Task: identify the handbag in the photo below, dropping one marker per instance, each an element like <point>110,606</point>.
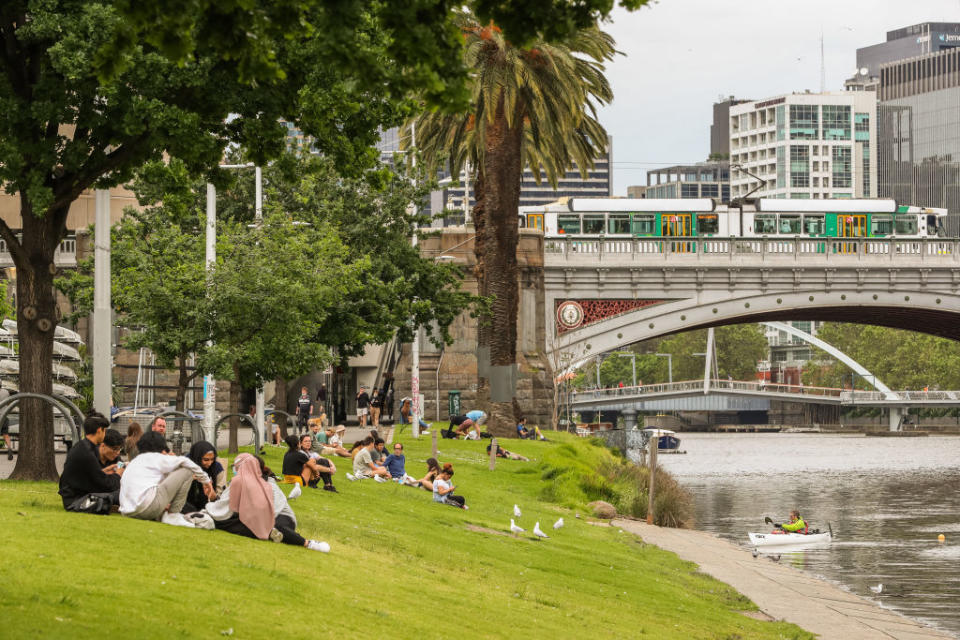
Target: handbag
<point>96,503</point>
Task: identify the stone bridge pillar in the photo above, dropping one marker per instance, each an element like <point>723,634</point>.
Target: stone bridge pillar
<point>629,419</point>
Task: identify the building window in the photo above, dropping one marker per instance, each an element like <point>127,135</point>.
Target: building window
<point>861,126</point>
<point>799,165</point>
<point>781,122</point>
<point>800,196</point>
<point>689,191</point>
<point>836,122</point>
<point>842,169</point>
<point>709,190</point>
<point>725,193</point>
<point>803,121</point>
<point>781,166</point>
<point>865,179</point>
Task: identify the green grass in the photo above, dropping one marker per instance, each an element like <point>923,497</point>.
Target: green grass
<point>400,566</point>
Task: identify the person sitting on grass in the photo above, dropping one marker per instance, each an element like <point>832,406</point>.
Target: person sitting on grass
<point>335,442</point>
<point>325,466</point>
<point>503,453</point>
<point>82,472</point>
<point>378,454</point>
<point>110,449</point>
<point>406,410</point>
<point>443,489</point>
<point>300,468</point>
<point>205,455</point>
<point>134,431</point>
<point>155,485</point>
<point>525,434</point>
<point>254,506</point>
<point>363,466</point>
<point>433,470</point>
<point>396,465</point>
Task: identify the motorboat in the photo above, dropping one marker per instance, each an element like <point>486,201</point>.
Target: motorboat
<point>789,539</point>
<point>667,440</point>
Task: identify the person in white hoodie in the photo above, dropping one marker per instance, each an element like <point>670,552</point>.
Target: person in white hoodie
<point>155,484</point>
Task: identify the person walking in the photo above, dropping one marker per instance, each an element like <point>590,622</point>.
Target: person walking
<point>304,409</point>
<point>376,404</point>
<point>363,405</point>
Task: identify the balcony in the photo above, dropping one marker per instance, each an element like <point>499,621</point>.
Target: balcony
<point>65,256</point>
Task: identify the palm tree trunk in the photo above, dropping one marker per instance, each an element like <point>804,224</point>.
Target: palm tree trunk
<point>502,174</point>
<point>483,322</point>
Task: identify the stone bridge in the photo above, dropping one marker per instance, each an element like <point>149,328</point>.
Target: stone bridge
<point>601,295</point>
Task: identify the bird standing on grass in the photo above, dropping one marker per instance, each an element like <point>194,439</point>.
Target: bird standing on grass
<point>558,523</point>
<point>295,492</point>
<point>514,528</point>
<point>537,532</point>
<point>516,511</point>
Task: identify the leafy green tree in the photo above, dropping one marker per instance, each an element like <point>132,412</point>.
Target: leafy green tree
<point>531,105</point>
<point>739,348</point>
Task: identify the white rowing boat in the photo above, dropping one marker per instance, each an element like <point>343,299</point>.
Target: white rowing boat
<point>781,539</point>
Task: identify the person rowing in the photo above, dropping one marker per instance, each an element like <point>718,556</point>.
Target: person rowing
<point>796,524</point>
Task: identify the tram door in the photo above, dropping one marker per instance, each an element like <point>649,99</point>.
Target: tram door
<point>674,225</point>
<point>851,226</point>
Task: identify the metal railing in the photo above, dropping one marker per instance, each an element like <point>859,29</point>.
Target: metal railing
<point>943,249</point>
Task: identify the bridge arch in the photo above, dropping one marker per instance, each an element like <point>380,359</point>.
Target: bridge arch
<point>932,312</point>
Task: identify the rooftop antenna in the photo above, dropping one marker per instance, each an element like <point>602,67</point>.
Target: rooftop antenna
<point>823,66</point>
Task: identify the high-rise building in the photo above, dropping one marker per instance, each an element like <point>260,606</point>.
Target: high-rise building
<point>720,129</point>
<point>919,132</point>
<point>908,42</point>
<point>700,180</point>
<point>805,145</point>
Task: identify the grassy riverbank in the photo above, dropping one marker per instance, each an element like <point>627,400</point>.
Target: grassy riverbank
<point>400,565</point>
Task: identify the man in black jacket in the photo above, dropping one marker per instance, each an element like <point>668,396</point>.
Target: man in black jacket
<point>82,473</point>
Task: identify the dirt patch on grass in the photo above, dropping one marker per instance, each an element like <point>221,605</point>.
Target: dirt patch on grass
<point>478,529</point>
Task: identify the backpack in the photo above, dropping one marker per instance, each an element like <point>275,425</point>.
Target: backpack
<point>96,503</point>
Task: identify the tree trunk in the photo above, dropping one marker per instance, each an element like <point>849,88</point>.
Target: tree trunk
<point>502,174</point>
<point>482,400</point>
<point>36,320</point>
<point>182,381</point>
<point>235,392</point>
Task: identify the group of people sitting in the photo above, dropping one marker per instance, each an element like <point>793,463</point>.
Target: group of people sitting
<point>187,491</point>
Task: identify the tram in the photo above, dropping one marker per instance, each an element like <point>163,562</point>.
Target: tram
<point>626,218</point>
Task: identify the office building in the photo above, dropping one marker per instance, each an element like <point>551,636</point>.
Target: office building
<point>720,128</point>
<point>908,42</point>
<point>637,191</point>
<point>700,180</point>
<point>805,145</point>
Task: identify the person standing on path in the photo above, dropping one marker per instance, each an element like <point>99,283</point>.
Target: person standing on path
<point>376,404</point>
<point>304,409</point>
<point>363,406</point>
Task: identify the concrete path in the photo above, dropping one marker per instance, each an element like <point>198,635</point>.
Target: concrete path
<point>783,592</point>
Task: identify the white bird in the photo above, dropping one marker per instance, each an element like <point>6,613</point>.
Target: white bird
<point>878,588</point>
<point>558,523</point>
<point>537,532</point>
<point>295,492</point>
<point>516,511</point>
<point>514,528</point>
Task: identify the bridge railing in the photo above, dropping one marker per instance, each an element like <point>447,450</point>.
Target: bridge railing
<point>944,249</point>
<point>687,386</point>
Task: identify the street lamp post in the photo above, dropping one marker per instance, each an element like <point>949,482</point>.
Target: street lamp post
<point>669,358</point>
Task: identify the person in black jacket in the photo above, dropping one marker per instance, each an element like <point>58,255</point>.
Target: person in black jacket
<point>82,473</point>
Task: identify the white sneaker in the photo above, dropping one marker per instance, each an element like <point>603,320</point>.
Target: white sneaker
<point>176,519</point>
<point>380,479</point>
<point>315,545</point>
<point>295,493</point>
<point>351,477</point>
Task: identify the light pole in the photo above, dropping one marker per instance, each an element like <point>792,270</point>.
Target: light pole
<point>102,312</point>
<point>669,358</point>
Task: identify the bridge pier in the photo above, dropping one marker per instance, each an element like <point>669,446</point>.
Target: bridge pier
<point>629,419</point>
<point>895,415</point>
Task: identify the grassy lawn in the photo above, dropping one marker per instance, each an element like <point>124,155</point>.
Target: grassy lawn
<point>400,566</point>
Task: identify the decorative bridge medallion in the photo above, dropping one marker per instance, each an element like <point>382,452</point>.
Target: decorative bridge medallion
<point>572,314</point>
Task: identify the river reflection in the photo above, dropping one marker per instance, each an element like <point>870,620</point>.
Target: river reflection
<point>887,500</point>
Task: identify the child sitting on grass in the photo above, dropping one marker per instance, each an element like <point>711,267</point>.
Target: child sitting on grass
<point>443,489</point>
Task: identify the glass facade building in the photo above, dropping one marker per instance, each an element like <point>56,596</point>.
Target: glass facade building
<point>701,180</point>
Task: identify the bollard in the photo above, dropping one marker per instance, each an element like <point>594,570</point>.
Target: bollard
<point>654,444</point>
<point>493,453</point>
<point>433,435</point>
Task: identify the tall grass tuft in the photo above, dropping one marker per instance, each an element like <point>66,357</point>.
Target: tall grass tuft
<point>581,471</point>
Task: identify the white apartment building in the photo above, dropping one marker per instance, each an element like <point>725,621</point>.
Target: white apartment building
<point>805,145</point>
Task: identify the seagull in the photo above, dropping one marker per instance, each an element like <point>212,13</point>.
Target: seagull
<point>537,532</point>
<point>514,528</point>
<point>558,523</point>
<point>295,492</point>
<point>878,588</point>
<point>516,511</point>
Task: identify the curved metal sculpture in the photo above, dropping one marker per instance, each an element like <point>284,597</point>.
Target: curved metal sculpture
<point>7,404</point>
<point>253,425</point>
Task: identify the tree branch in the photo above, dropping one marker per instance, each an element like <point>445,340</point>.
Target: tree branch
<point>14,64</point>
<point>73,186</point>
<point>13,244</point>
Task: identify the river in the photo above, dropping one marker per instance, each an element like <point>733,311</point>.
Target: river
<point>887,500</point>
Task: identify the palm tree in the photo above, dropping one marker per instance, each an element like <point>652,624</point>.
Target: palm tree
<point>532,106</point>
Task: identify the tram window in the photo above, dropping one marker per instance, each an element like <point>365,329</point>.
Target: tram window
<point>881,225</point>
<point>618,223</point>
<point>906,225</point>
<point>765,224</point>
<point>813,225</point>
<point>790,224</point>
<point>568,224</point>
<point>644,224</point>
<point>709,223</point>
<point>593,224</point>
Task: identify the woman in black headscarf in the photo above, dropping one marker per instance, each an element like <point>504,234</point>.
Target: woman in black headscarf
<point>205,455</point>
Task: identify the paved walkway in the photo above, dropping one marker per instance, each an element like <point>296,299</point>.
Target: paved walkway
<point>783,592</point>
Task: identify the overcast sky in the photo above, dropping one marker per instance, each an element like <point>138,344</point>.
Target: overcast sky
<point>681,55</point>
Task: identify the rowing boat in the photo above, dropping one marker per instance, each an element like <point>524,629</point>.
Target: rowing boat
<point>781,539</point>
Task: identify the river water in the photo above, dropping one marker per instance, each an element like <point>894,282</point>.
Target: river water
<point>887,500</point>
